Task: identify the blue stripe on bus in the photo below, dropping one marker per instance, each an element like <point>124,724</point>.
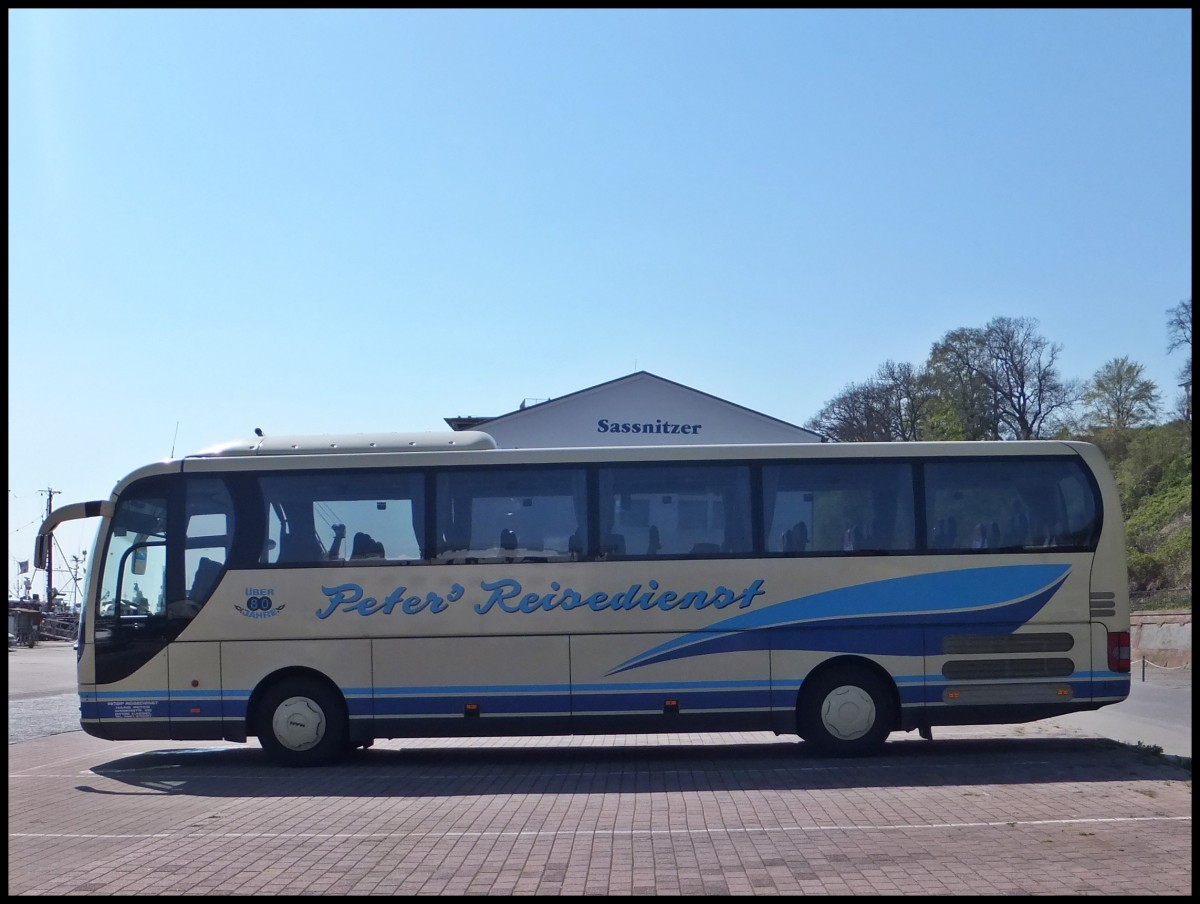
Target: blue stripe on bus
<point>689,701</point>
<point>671,685</point>
<point>973,600</point>
<point>145,708</point>
<point>598,699</point>
<point>235,700</point>
<point>476,689</point>
<point>504,704</point>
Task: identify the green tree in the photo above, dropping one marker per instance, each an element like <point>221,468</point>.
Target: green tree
<point>966,407</point>
<point>1118,397</point>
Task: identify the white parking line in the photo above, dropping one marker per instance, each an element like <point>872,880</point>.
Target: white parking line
<point>616,833</point>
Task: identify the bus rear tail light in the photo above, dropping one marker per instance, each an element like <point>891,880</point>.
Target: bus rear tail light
<point>1118,651</point>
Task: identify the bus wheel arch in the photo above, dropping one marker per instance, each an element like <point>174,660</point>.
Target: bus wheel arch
<point>847,706</point>
<point>300,717</point>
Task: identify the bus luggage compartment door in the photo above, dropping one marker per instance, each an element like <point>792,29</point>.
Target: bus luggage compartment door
<point>194,672</point>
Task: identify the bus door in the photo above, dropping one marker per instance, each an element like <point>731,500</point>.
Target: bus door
<point>130,632</point>
<point>205,535</point>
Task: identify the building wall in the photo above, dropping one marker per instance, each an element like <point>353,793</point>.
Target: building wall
<point>639,410</point>
<point>1164,639</point>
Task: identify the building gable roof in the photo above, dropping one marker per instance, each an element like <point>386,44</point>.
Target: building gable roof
<point>640,400</point>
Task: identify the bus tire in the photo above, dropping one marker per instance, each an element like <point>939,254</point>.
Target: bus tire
<point>302,722</point>
<point>846,711</point>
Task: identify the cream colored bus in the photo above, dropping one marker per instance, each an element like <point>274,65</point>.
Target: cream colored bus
<point>323,592</point>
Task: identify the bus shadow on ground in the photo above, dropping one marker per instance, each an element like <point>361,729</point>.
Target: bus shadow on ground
<point>448,770</point>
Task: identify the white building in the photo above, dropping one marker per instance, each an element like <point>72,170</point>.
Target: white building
<point>640,409</point>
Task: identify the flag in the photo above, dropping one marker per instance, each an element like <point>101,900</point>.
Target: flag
<point>24,567</point>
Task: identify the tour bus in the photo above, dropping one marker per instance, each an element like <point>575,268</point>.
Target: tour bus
<point>322,592</point>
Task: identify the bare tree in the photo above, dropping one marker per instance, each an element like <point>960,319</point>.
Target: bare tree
<point>910,397</point>
<point>855,415</point>
<point>892,406</point>
<point>1017,368</point>
<point>1179,326</point>
<point>1179,335</point>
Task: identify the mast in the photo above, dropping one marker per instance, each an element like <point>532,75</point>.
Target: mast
<point>50,493</point>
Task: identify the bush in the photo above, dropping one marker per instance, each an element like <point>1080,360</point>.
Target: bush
<point>1155,457</point>
<point>1160,515</point>
<point>1153,470</point>
<point>1177,557</point>
<point>1146,570</point>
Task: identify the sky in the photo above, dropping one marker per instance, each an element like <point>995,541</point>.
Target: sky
<point>327,221</point>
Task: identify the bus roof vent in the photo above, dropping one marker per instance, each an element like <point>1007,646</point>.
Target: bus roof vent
<point>355,443</point>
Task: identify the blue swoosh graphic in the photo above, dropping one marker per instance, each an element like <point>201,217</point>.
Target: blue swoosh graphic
<point>904,614</point>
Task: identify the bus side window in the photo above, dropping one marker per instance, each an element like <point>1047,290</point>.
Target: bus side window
<point>366,547</point>
<point>209,535</point>
<point>207,572</point>
<point>613,545</point>
<point>795,539</point>
<point>300,545</point>
<point>1017,532</point>
<point>653,543</point>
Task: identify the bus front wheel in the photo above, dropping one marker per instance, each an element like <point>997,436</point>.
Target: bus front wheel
<point>848,711</point>
<point>302,722</point>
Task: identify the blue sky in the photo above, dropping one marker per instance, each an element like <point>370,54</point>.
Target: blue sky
<point>365,221</point>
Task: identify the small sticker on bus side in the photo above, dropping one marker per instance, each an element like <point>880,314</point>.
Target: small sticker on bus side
<point>260,603</point>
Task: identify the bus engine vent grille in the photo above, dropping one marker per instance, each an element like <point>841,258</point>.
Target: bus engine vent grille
<point>968,669</point>
<point>965,644</point>
<point>1103,603</point>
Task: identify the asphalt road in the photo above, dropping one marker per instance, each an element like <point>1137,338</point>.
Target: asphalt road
<point>1157,713</point>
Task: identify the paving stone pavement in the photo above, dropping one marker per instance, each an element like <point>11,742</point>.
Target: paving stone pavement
<point>727,813</point>
<point>1040,808</point>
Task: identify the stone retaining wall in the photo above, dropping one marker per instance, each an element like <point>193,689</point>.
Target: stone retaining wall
<point>1163,638</point>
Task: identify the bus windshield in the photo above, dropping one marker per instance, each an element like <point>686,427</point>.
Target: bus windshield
<point>133,577</point>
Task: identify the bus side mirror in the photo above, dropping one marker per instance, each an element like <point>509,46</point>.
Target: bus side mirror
<point>39,551</point>
<point>139,560</point>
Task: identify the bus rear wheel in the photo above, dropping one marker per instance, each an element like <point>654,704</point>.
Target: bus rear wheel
<point>302,722</point>
<point>848,711</point>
